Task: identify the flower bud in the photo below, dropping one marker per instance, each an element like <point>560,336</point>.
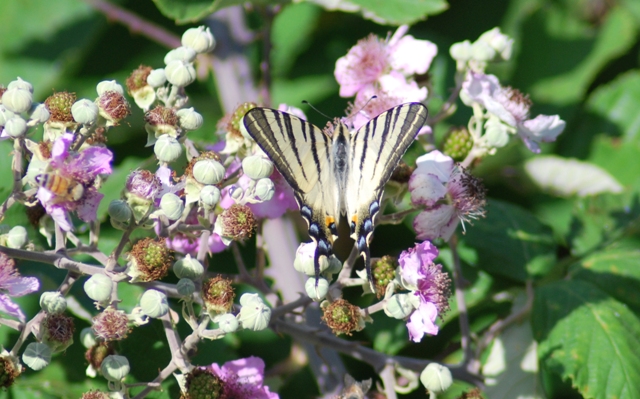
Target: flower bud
<point>304,260</point>
<point>5,115</point>
<point>172,206</point>
<point>182,53</point>
<point>316,293</point>
<point>227,322</point>
<point>481,51</point>
<point>236,193</point>
<point>114,368</point>
<point>109,85</point>
<point>254,314</point>
<point>87,337</point>
<point>119,211</point>
<point>17,100</point>
<point>180,73</point>
<point>98,287</point>
<point>37,355</point>
<point>257,167</point>
<point>15,127</point>
<point>39,113</point>
<point>208,171</point>
<point>461,51</point>
<point>436,378</point>
<point>200,39</point>
<point>189,119</point>
<point>84,111</point>
<point>20,84</point>
<point>209,197</point>
<point>185,287</point>
<point>154,303</point>
<point>400,306</point>
<point>156,78</point>
<point>167,148</point>
<point>53,302</point>
<point>264,189</point>
<point>496,133</point>
<point>17,237</point>
<point>188,267</point>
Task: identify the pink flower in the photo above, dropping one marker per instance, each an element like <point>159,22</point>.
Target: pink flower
<point>75,168</point>
<point>511,107</point>
<point>191,244</point>
<point>421,275</point>
<point>385,65</point>
<point>243,379</point>
<point>447,193</point>
<point>12,284</point>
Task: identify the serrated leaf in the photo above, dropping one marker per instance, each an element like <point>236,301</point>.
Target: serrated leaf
<point>588,337</point>
<point>511,242</point>
<point>616,272</point>
<point>566,177</point>
<point>618,102</point>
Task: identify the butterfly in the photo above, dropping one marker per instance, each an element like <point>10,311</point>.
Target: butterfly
<point>344,173</point>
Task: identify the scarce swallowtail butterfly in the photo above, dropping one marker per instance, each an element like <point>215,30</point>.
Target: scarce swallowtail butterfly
<point>342,174</point>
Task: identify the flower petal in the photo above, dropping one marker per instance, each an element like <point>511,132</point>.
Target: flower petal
<point>542,128</point>
<point>412,56</point>
<point>422,321</point>
<point>7,306</point>
<point>437,222</point>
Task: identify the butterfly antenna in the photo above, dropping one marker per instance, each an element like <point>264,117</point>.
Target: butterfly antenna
<point>363,107</point>
<point>315,109</point>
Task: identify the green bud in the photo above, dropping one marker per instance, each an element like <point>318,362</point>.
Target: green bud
<point>98,287</point>
<point>461,51</point>
<point>17,237</point>
<point>316,293</point>
<point>496,133</point>
<point>185,287</point>
<point>208,171</point>
<point>182,53</point>
<point>109,85</point>
<point>254,314</point>
<point>114,368</point>
<point>227,322</point>
<point>5,115</point>
<point>85,111</point>
<point>37,355</point>
<point>15,127</point>
<point>154,303</point>
<point>436,378</point>
<point>304,262</point>
<point>200,39</point>
<point>236,193</point>
<point>172,206</point>
<point>209,197</point>
<point>167,148</point>
<point>180,73</point>
<point>53,302</point>
<point>87,337</point>
<point>17,100</point>
<point>189,119</point>
<point>481,51</point>
<point>400,306</point>
<point>188,267</point>
<point>39,113</point>
<point>257,167</point>
<point>156,78</point>
<point>119,211</point>
<point>264,189</point>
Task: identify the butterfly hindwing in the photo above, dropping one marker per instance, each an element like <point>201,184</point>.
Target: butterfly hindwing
<point>302,154</point>
<point>377,148</point>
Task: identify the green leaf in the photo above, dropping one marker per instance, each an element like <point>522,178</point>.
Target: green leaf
<point>190,11</point>
<point>588,337</point>
<point>618,102</point>
<point>300,18</point>
<point>615,271</point>
<point>566,177</point>
<point>511,242</point>
<point>616,36</point>
<point>399,12</point>
<point>615,157</point>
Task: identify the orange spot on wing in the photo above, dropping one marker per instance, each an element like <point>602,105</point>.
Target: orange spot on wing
<point>329,220</point>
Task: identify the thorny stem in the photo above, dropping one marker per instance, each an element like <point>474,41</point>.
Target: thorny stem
<point>458,281</point>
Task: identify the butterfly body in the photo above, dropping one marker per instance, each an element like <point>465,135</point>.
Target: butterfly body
<point>341,174</point>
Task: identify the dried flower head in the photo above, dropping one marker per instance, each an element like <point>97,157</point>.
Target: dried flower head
<point>149,260</point>
<point>96,354</point>
<point>237,222</point>
<point>138,78</point>
<point>234,123</point>
<point>58,331</point>
<point>218,295</point>
<point>113,107</point>
<point>111,325</point>
<point>59,106</point>
<point>342,317</point>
